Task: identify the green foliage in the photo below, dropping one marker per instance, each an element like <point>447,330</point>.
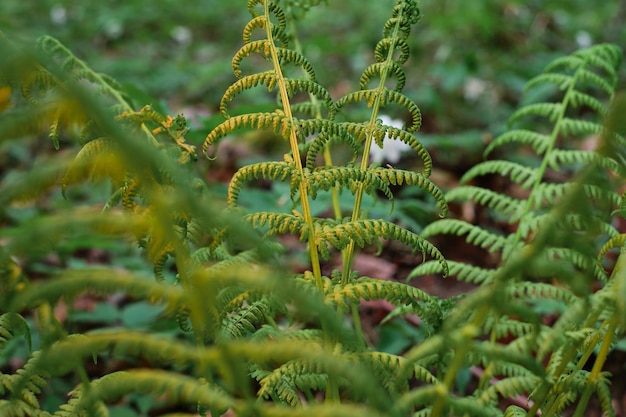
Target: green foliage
<point>249,336</point>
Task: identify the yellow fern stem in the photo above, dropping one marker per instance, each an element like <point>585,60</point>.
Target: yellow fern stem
<point>293,143</point>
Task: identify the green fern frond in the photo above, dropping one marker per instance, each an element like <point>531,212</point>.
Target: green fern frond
<point>268,78</point>
<point>97,157</point>
<point>476,235</point>
<point>539,142</point>
<point>509,387</point>
<point>12,324</point>
<point>394,68</point>
<point>538,290</point>
<point>364,232</point>
<point>518,173</point>
<point>277,170</point>
<point>321,141</point>
<point>177,388</point>
<point>400,177</point>
<point>385,98</point>
<point>501,203</point>
<point>277,122</point>
<point>244,320</point>
<point>559,157</point>
<point>396,293</point>
<point>77,281</point>
<point>615,242</point>
<point>279,223</point>
<point>551,111</point>
<point>285,55</point>
<point>460,270</point>
<point>326,178</point>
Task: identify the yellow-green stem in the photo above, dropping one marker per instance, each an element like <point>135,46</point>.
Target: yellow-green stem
<point>328,159</point>
<point>293,143</point>
<point>348,252</point>
<point>597,367</point>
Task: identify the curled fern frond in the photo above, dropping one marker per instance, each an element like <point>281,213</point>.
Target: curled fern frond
<point>279,223</point>
<point>279,171</point>
<point>321,141</point>
<point>400,177</point>
<point>387,97</point>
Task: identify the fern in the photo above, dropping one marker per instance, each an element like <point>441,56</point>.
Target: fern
<point>260,339</point>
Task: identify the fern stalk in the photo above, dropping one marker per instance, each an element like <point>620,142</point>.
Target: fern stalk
<point>293,143</point>
<point>348,253</point>
<point>328,159</point>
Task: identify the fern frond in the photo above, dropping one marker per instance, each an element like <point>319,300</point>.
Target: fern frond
<point>518,173</point>
<point>364,232</point>
<point>277,122</point>
<point>396,293</point>
<point>537,141</point>
<point>76,281</point>
<point>551,111</point>
<point>326,178</point>
<point>460,270</point>
<point>509,387</point>
<point>279,223</point>
<point>268,78</point>
<point>12,324</point>
<point>176,387</point>
<point>400,177</point>
<point>475,234</point>
<point>394,68</point>
<point>97,157</point>
<point>503,204</point>
<point>321,141</point>
<point>387,97</point>
<point>285,55</point>
<point>268,170</point>
<point>538,290</point>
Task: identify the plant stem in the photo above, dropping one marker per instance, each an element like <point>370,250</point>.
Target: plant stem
<point>348,253</point>
<point>293,142</point>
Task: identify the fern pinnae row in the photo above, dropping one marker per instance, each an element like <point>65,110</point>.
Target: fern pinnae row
<point>375,69</point>
<point>383,98</point>
<point>326,178</point>
<point>279,223</point>
<point>519,173</point>
<point>364,232</point>
<point>475,234</point>
<point>322,141</point>
<point>400,177</point>
<point>276,170</point>
<point>501,203</point>
<point>537,141</point>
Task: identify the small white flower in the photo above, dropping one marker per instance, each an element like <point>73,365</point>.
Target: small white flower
<point>474,88</point>
<point>392,148</point>
<point>182,35</point>
<point>58,14</point>
<point>583,39</point>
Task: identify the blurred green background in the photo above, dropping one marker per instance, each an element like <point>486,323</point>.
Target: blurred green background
<point>469,60</point>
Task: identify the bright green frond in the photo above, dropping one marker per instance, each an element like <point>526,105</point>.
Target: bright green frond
<point>518,173</point>
<point>538,141</point>
<point>475,234</point>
